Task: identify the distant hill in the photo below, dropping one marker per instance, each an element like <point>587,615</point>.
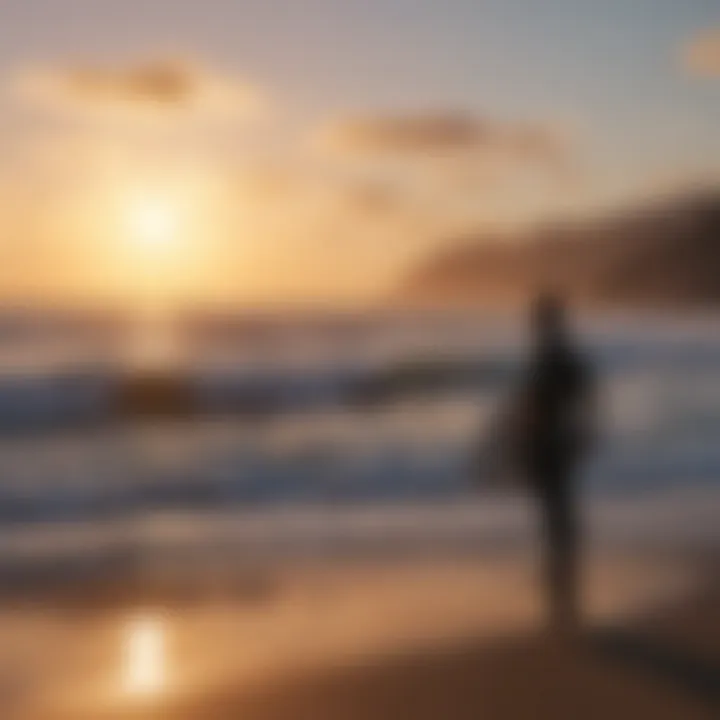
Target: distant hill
<point>662,254</point>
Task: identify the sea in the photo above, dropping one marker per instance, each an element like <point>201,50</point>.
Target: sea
<point>334,435</point>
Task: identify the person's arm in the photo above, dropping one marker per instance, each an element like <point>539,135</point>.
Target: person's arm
<point>497,459</point>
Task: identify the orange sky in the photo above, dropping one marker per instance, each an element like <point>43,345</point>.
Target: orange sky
<point>233,173</point>
<point>275,213</point>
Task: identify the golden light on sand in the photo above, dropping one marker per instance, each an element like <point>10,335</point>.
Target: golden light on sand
<point>144,657</point>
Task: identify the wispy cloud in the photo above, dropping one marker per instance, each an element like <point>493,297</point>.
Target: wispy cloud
<point>439,134</point>
<point>451,166</point>
<point>159,86</point>
<point>701,55</point>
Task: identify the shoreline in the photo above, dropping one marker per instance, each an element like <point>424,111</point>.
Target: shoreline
<point>315,622</point>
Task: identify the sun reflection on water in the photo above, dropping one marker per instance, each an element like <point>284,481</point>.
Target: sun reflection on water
<point>144,656</point>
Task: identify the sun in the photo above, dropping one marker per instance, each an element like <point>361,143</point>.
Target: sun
<point>158,239</point>
<point>153,223</point>
<point>156,245</point>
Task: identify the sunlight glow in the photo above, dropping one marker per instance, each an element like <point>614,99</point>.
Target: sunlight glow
<point>144,661</point>
<point>153,244</point>
<point>153,223</point>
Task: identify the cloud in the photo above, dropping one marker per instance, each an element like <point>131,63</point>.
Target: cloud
<point>455,163</point>
<point>439,134</point>
<point>163,86</point>
<point>701,55</point>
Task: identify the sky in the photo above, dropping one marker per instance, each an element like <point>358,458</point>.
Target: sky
<point>238,150</point>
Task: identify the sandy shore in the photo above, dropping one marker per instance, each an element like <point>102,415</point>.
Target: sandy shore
<point>669,669</point>
<point>434,639</point>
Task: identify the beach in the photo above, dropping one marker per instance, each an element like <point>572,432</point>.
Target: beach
<point>333,560</point>
<point>436,638</point>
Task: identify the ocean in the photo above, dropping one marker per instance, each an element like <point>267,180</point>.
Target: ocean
<point>310,440</point>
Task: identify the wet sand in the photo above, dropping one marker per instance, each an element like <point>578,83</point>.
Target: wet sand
<point>425,640</point>
<point>665,669</point>
<point>615,675</point>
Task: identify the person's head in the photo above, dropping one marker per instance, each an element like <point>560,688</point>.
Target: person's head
<point>548,319</point>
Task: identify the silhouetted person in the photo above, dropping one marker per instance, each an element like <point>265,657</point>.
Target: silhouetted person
<point>554,420</point>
